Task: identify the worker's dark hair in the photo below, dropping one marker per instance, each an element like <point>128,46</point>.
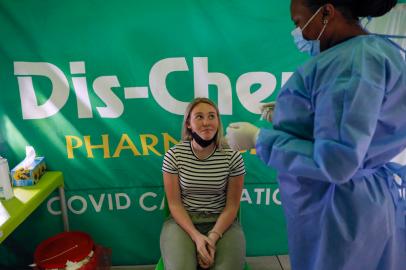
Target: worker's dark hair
<point>353,9</point>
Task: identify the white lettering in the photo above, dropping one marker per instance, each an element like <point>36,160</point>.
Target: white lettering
<point>252,101</point>
<point>245,196</point>
<point>81,91</point>
<point>81,200</point>
<point>259,194</point>
<point>268,196</point>
<point>29,102</point>
<point>110,200</point>
<point>49,206</point>
<point>127,200</point>
<point>79,204</point>
<point>97,206</point>
<point>285,77</point>
<point>274,197</point>
<point>203,78</point>
<point>114,106</point>
<point>157,83</point>
<point>142,198</point>
<point>162,204</point>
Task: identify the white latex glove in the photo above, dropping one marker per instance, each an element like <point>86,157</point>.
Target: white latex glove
<point>267,111</point>
<point>241,135</point>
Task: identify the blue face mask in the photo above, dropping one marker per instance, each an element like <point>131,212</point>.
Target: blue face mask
<point>312,47</point>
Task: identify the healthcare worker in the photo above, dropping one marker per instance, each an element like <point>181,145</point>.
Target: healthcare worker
<point>337,123</point>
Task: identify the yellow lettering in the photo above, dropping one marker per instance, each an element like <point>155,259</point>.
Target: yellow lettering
<point>121,146</point>
<point>104,146</point>
<point>70,146</point>
<point>168,139</point>
<point>146,146</point>
<point>148,143</point>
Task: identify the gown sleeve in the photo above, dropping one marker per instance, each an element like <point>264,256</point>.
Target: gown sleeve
<point>346,101</point>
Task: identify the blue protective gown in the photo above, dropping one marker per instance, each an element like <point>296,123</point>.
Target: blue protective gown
<point>338,122</point>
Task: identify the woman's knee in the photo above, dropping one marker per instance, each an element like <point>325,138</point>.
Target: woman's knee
<point>177,248</point>
<point>230,249</point>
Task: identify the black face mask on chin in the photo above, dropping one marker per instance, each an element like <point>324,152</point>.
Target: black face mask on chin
<point>202,142</point>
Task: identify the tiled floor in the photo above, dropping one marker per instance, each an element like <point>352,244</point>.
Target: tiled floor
<point>255,263</point>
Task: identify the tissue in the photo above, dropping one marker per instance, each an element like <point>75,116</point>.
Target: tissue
<point>6,191</point>
<point>28,171</point>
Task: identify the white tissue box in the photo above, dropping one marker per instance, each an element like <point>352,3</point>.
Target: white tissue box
<point>28,175</point>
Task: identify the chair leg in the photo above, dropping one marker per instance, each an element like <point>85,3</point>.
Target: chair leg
<point>160,265</point>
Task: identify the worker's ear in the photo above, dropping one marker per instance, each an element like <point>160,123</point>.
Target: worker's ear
<point>328,12</point>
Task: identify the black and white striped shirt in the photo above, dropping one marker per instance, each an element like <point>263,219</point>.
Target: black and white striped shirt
<point>203,182</point>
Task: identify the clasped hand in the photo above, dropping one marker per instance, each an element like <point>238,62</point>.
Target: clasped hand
<point>206,248</point>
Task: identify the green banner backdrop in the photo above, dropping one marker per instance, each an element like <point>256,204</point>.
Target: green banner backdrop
<point>99,89</point>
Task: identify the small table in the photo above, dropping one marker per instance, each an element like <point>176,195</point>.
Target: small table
<point>26,199</point>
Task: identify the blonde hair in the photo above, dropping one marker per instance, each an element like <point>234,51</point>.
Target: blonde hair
<point>186,132</point>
